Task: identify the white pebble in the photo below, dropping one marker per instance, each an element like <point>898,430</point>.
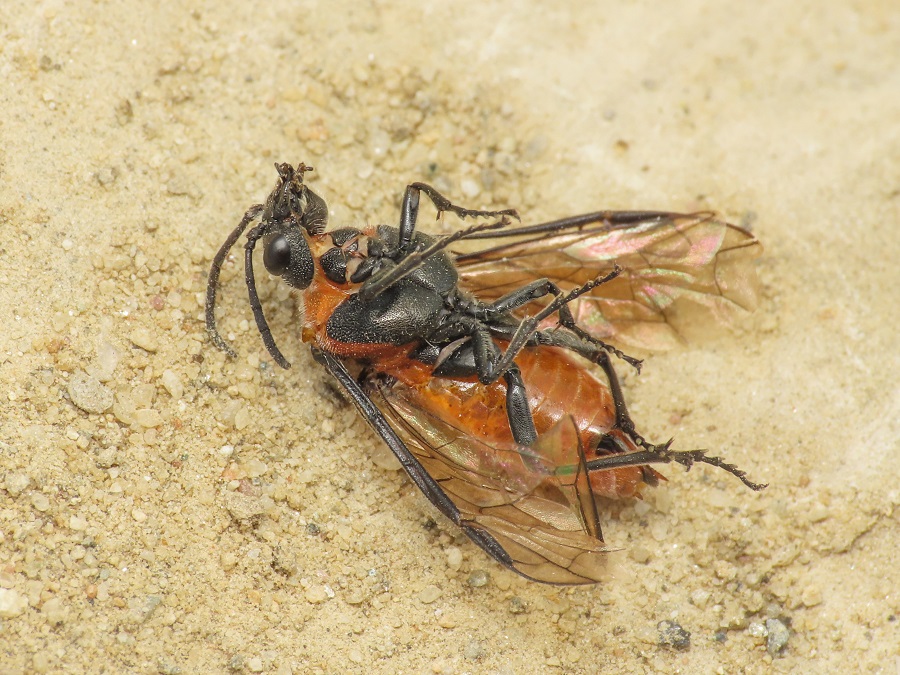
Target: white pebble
<point>172,383</point>
<point>12,603</point>
<point>40,501</point>
<point>469,188</point>
<point>429,594</point>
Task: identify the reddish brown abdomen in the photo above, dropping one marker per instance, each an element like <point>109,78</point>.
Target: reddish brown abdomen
<point>557,385</point>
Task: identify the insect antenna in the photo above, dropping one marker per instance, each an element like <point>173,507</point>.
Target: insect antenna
<point>416,259</point>
<point>261,324</point>
<point>212,283</point>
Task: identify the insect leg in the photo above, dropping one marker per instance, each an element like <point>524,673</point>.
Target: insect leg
<point>596,353</point>
<point>528,326</point>
<point>384,280</point>
<point>660,454</point>
<point>567,320</point>
<point>480,355</point>
<point>442,204</point>
<point>414,469</point>
<point>518,412</point>
<point>517,298</point>
<point>409,212</point>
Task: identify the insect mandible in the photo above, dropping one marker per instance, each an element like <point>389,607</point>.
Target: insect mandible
<point>480,369</point>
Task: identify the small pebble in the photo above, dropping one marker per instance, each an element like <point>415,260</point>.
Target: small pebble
<point>40,662</point>
<point>78,524</point>
<point>700,598</point>
<point>478,578</point>
<point>172,383</point>
<point>725,570</point>
<point>40,501</point>
<point>242,419</point>
<point>107,175</point>
<point>757,629</point>
<point>141,609</point>
<point>89,394</point>
<point>12,603</point>
<point>243,507</point>
<point>147,417</point>
<point>640,554</point>
<point>429,594</point>
<point>469,188</point>
<point>447,621</point>
<point>673,635</point>
<point>107,458</point>
<point>355,597</point>
<point>454,558</point>
<point>17,483</point>
<point>316,594</point>
<point>255,468</point>
<point>778,636</point>
<point>166,667</point>
<point>473,651</point>
<point>811,596</point>
<point>143,395</point>
<point>142,338</point>
<point>55,611</point>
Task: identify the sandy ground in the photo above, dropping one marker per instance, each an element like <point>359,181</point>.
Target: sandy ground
<point>226,516</point>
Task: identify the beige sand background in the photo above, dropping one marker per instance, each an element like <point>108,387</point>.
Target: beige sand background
<point>225,516</point>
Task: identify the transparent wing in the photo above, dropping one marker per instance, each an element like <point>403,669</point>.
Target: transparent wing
<point>536,502</point>
<point>671,263</point>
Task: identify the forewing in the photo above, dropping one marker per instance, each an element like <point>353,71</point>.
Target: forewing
<point>670,263</point>
<point>536,502</point>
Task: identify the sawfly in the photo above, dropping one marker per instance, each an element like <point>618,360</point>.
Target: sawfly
<point>484,358</point>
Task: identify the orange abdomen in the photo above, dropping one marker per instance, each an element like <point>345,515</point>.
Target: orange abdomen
<point>557,385</point>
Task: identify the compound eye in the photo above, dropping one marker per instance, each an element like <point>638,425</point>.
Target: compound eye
<point>277,255</point>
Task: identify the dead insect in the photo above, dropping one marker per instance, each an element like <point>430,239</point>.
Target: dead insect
<point>491,408</point>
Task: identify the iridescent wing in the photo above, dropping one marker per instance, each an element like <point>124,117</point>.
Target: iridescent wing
<point>669,263</point>
<point>536,503</point>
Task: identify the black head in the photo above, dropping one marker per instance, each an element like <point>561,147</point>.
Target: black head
<point>291,214</point>
<point>292,203</point>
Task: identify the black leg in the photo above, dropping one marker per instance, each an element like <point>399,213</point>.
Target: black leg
<point>442,204</point>
<point>483,363</point>
<point>521,423</point>
<point>414,469</point>
<point>409,214</point>
<point>517,298</point>
<point>528,326</point>
<point>591,352</point>
<point>660,454</point>
<point>384,280</point>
